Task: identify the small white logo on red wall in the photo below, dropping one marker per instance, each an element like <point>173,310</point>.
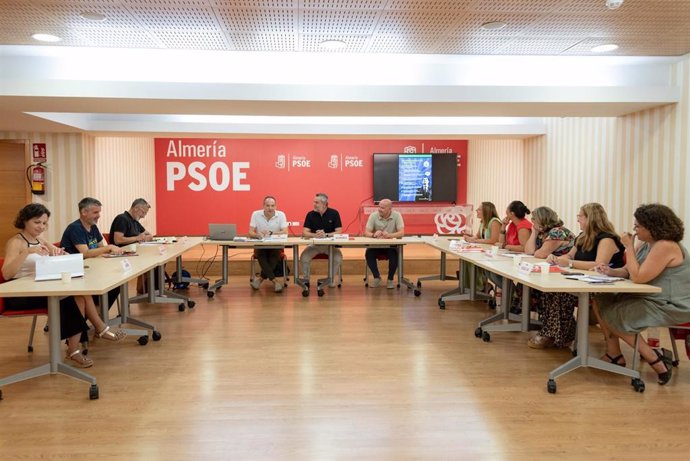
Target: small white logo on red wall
<point>333,162</point>
<point>453,220</point>
<point>409,150</point>
<point>352,161</point>
<point>280,161</point>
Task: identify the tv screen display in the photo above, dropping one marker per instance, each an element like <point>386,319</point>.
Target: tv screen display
<point>415,177</point>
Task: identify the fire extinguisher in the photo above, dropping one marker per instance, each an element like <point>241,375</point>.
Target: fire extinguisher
<point>36,175</point>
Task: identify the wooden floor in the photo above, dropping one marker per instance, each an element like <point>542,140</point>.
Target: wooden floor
<point>364,374</point>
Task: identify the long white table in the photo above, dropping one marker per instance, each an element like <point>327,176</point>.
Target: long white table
<point>291,242</point>
<point>100,276</point>
<point>362,242</point>
<point>556,283</point>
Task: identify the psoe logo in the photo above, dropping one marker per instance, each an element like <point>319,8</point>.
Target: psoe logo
<point>333,162</point>
<point>300,161</point>
<point>453,220</point>
<point>409,150</point>
<point>280,161</point>
<point>352,161</point>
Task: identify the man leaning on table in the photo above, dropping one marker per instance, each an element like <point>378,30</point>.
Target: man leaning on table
<point>321,222</point>
<point>263,224</point>
<point>126,228</point>
<point>386,223</point>
<point>82,236</point>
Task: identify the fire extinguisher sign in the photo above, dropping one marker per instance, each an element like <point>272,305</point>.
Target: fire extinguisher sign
<point>39,153</point>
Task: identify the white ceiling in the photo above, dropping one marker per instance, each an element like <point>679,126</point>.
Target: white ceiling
<point>259,67</point>
<point>534,27</point>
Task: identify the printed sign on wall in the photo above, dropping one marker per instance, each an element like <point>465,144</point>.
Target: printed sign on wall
<point>201,181</point>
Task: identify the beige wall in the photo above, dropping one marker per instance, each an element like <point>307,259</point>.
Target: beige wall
<point>619,162</point>
<point>65,176</point>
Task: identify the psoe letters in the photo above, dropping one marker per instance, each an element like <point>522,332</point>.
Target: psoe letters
<point>197,178</point>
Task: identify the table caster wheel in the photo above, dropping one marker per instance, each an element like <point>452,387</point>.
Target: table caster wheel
<point>492,304</point>
<point>0,395</point>
<point>486,337</point>
<point>191,304</point>
<point>574,352</point>
<point>93,392</point>
<point>45,329</point>
<point>156,335</point>
<point>675,363</point>
<point>30,348</point>
<point>366,285</point>
<point>320,292</point>
<point>204,286</point>
<point>417,292</point>
<point>551,386</point>
<point>441,304</point>
<point>181,307</point>
<point>478,332</point>
<point>143,340</point>
<point>210,294</point>
<point>305,293</point>
<point>637,384</point>
<point>419,284</point>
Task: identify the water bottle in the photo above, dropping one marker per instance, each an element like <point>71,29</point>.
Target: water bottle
<point>653,337</point>
<point>499,297</point>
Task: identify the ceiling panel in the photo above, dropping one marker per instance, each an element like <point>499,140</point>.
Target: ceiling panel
<point>533,27</point>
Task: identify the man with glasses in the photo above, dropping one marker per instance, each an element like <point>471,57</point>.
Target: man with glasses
<point>127,229</point>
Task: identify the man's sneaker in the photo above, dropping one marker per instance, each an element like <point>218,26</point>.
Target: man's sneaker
<point>277,286</point>
<point>390,284</point>
<point>256,283</point>
<point>376,283</point>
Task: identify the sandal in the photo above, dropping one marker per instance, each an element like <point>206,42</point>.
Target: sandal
<point>615,360</point>
<point>116,335</point>
<point>79,359</point>
<point>667,358</point>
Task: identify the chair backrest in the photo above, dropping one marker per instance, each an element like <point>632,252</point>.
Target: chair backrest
<point>106,237</point>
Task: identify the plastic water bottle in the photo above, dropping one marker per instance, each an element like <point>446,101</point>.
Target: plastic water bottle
<point>499,298</point>
<point>653,337</point>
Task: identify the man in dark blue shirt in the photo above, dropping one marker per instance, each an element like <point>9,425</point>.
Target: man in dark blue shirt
<point>83,236</point>
<point>321,222</point>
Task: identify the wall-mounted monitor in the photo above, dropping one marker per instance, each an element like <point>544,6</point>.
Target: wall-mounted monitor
<point>415,177</point>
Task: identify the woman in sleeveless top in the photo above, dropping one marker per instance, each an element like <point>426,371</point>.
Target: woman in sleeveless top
<point>489,227</point>
<point>597,243</point>
<point>658,260</point>
<point>516,228</point>
<point>21,253</point>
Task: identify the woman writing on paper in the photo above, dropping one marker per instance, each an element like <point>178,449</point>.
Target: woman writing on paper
<point>21,254</point>
<point>660,260</point>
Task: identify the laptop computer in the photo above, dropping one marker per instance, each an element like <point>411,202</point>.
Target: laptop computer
<point>52,267</point>
<point>222,231</point>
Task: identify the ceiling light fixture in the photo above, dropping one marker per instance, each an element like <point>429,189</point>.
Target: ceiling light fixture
<point>333,44</point>
<point>46,38</point>
<point>604,48</point>
<point>493,25</point>
<point>614,4</point>
<point>92,16</point>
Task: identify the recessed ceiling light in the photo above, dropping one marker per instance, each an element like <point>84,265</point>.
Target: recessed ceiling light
<point>604,48</point>
<point>92,16</point>
<point>46,38</point>
<point>333,44</point>
<point>493,25</point>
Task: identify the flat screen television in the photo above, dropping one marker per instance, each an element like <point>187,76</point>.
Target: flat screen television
<point>416,177</point>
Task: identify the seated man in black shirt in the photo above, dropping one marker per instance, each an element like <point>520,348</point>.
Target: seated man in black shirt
<point>127,229</point>
<point>321,222</point>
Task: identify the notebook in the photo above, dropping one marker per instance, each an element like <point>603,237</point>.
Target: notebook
<point>222,231</point>
<point>52,267</point>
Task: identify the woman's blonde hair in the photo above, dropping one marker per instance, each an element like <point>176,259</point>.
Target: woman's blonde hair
<point>597,222</point>
<point>548,219</point>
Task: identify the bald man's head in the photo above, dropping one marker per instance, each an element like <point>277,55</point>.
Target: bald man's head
<point>385,208</point>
